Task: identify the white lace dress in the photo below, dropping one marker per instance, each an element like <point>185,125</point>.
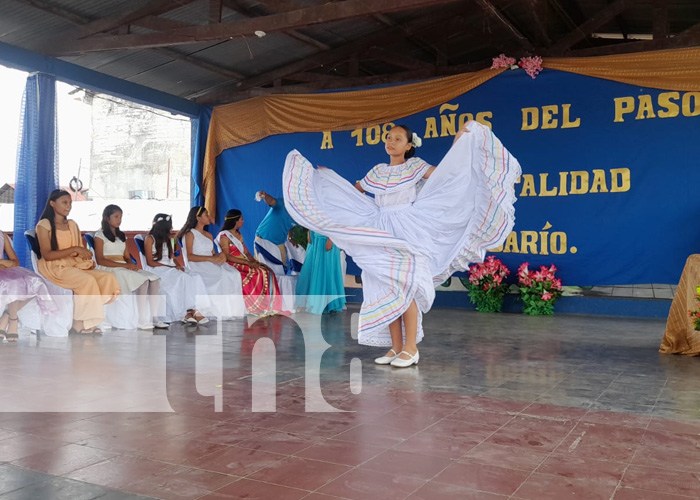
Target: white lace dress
<point>182,291</point>
<point>128,280</point>
<point>223,282</point>
<point>412,235</point>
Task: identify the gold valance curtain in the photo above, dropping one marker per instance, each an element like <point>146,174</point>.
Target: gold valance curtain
<point>254,119</point>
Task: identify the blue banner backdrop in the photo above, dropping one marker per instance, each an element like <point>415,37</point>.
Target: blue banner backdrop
<point>609,176</point>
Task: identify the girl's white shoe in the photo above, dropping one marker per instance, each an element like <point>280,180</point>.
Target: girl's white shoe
<point>403,363</point>
<point>385,360</point>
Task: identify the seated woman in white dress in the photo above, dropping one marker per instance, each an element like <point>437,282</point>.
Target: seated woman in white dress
<point>111,255</point>
<point>181,289</point>
<point>223,282</point>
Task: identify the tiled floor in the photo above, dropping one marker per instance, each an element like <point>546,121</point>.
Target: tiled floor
<point>649,291</point>
<point>499,407</point>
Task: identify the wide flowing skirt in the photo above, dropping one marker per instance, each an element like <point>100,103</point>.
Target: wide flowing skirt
<point>463,209</point>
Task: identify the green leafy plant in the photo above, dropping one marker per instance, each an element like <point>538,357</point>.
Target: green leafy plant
<point>487,285</point>
<point>299,235</point>
<point>539,290</point>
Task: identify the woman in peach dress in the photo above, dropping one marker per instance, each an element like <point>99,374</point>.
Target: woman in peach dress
<point>67,263</point>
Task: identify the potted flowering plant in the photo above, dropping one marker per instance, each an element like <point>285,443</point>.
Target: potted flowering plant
<point>486,284</point>
<point>538,289</point>
<point>694,314</point>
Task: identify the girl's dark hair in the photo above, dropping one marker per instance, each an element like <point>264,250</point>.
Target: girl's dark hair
<point>191,221</point>
<point>409,135</point>
<point>232,216</point>
<point>106,228</point>
<point>161,229</point>
<point>50,215</point>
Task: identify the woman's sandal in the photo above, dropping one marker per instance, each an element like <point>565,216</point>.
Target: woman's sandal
<point>85,331</point>
<point>3,333</point>
<point>11,337</point>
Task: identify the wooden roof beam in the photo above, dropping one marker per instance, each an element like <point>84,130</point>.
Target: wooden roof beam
<point>659,11</point>
<point>146,22</point>
<point>329,12</point>
<point>226,92</point>
<point>587,28</point>
<point>398,59</point>
<point>538,16</point>
<point>492,11</point>
<point>238,7</point>
<point>347,83</point>
<point>215,7</point>
<point>688,38</point>
<point>155,7</point>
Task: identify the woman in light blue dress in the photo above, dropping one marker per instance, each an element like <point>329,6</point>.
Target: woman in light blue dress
<point>320,288</point>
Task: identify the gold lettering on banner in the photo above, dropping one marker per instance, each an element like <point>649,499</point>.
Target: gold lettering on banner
<point>541,242</point>
<point>371,135</point>
<point>551,117</point>
<point>450,122</point>
<point>576,182</point>
<point>327,141</point>
<point>664,105</point>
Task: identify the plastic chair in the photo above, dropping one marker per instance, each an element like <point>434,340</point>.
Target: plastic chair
<point>139,239</point>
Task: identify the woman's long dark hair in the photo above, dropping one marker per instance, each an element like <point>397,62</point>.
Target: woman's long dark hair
<point>162,227</point>
<point>231,218</point>
<point>106,228</point>
<point>409,135</point>
<point>50,215</point>
<point>191,221</point>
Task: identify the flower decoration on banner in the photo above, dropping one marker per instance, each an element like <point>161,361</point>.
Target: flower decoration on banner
<point>531,65</point>
<point>487,285</point>
<point>694,314</point>
<point>503,61</point>
<point>538,289</point>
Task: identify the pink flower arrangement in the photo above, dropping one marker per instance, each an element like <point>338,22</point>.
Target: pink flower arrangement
<point>502,62</point>
<point>531,65</point>
<point>694,314</point>
<point>487,284</point>
<point>538,289</point>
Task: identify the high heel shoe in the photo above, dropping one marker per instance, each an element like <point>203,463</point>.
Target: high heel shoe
<point>404,363</point>
<point>385,360</point>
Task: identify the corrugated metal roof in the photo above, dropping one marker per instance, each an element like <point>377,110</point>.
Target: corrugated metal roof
<point>466,34</point>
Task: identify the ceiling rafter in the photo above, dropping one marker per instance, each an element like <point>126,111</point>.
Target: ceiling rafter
<point>621,24</point>
<point>154,8</point>
<point>146,22</point>
<point>395,58</point>
<point>659,18</point>
<point>333,83</point>
<point>492,11</point>
<point>586,29</point>
<point>296,34</point>
<point>329,12</point>
<point>226,92</point>
<point>418,41</point>
<point>688,38</point>
<point>538,16</point>
<point>215,8</point>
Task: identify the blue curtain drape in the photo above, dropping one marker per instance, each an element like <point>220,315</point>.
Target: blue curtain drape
<point>37,158</point>
<point>200,131</point>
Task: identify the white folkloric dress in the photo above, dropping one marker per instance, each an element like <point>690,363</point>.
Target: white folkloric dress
<point>409,238</point>
<point>223,282</point>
